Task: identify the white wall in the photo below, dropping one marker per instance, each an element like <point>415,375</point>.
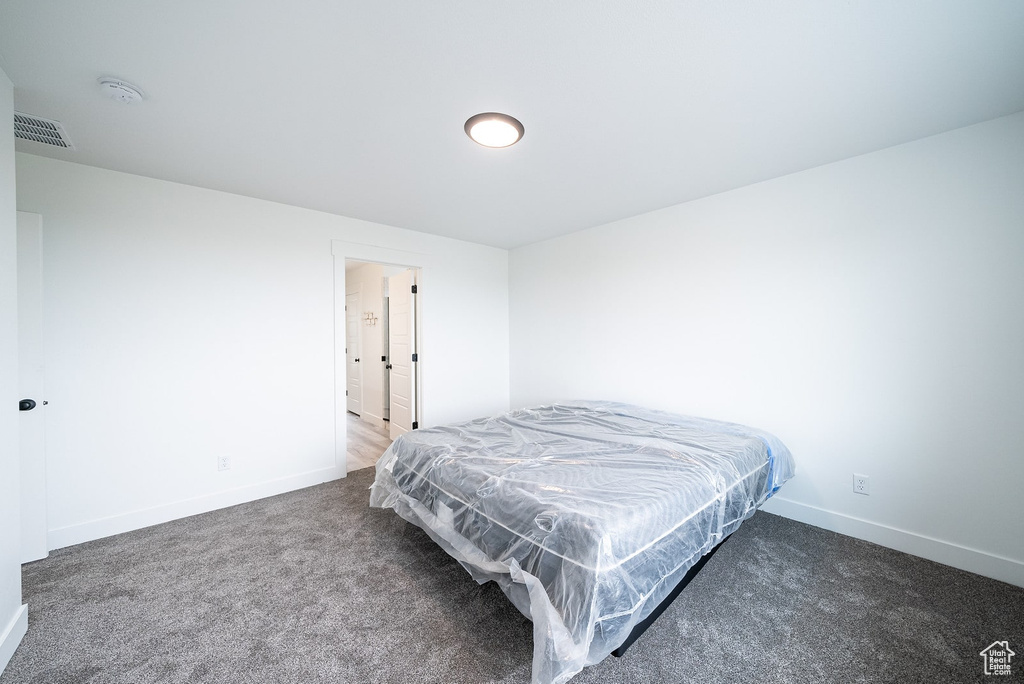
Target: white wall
<point>183,323</point>
<point>869,312</point>
<point>13,615</point>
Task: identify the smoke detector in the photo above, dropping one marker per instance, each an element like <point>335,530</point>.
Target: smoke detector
<point>119,90</point>
<point>40,130</point>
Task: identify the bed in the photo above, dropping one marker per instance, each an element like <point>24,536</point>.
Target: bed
<point>588,515</point>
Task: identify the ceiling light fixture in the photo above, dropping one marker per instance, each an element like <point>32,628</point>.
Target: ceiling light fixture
<point>491,129</point>
<point>119,90</point>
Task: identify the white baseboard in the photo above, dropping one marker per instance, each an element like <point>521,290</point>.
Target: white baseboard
<point>134,520</point>
<point>12,635</point>
<point>947,553</point>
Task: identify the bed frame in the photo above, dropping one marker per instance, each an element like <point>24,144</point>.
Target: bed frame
<point>642,626</point>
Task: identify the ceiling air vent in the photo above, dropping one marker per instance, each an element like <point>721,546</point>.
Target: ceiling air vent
<point>28,127</point>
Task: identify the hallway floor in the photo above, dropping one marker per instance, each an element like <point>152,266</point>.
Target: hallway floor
<point>366,442</point>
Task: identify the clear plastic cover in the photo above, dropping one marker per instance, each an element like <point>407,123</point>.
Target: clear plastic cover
<point>586,514</point>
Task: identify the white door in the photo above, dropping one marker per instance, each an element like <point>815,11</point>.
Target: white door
<point>401,347</point>
<point>385,348</point>
<point>353,364</point>
<point>30,381</point>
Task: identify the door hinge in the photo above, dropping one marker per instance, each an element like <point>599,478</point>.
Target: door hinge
<point>415,358</point>
<point>346,393</point>
<point>415,425</point>
<point>414,289</point>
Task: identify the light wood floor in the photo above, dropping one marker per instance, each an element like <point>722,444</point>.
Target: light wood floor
<point>366,443</point>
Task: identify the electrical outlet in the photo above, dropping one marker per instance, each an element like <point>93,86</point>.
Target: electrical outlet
<point>224,463</point>
<point>861,484</point>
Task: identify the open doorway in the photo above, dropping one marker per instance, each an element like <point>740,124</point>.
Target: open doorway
<point>381,398</point>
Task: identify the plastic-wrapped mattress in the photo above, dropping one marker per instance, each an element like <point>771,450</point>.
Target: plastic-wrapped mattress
<point>586,514</point>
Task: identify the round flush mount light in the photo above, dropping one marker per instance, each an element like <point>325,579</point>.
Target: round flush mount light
<point>119,90</point>
<point>491,129</point>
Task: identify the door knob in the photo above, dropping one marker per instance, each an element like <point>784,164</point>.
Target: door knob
<point>26,404</point>
<point>357,360</point>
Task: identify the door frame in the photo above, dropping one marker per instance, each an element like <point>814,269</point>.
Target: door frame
<point>342,250</point>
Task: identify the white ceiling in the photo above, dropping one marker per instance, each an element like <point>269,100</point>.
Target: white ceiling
<point>357,108</point>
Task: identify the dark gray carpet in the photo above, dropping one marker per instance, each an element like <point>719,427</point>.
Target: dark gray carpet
<point>313,586</point>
